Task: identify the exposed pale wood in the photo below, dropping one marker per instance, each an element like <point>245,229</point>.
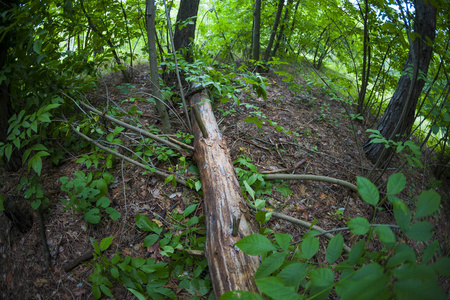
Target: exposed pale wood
<point>229,268</point>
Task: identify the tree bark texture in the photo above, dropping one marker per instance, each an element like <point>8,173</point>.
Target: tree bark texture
<point>421,50</point>
<point>183,37</point>
<point>256,30</point>
<point>274,30</point>
<point>229,268</point>
<point>154,77</point>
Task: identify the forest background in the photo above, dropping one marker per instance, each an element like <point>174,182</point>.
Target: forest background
<point>91,91</point>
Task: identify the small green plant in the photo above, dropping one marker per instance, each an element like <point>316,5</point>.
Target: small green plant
<point>87,193</point>
<point>394,270</point>
<point>33,191</point>
<point>339,213</point>
<point>146,278</point>
<point>412,150</point>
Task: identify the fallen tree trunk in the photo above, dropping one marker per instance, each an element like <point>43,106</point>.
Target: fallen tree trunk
<point>227,216</point>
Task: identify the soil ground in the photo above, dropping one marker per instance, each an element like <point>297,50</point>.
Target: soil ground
<point>325,141</point>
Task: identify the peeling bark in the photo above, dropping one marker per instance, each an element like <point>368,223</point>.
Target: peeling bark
<point>229,268</point>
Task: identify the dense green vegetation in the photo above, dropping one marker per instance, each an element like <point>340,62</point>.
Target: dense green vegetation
<point>54,53</point>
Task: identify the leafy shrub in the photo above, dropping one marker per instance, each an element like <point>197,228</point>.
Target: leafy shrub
<point>394,271</point>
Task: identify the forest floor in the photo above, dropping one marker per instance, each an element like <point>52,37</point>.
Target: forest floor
<point>324,145</point>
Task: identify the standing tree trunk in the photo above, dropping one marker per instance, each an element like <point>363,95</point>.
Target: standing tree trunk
<point>274,30</point>
<point>283,24</point>
<point>366,58</point>
<point>399,115</point>
<point>229,268</point>
<point>184,37</point>
<point>154,77</point>
<point>256,30</point>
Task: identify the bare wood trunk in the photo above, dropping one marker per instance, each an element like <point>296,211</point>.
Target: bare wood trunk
<point>229,268</point>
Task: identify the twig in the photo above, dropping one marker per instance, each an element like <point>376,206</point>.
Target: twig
<point>311,177</point>
<point>179,180</point>
<point>301,223</point>
<point>74,263</point>
<point>286,169</point>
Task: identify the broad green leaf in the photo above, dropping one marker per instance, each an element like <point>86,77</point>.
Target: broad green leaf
<point>138,295</point>
<point>427,203</point>
<point>103,202</point>
<point>8,151</point>
<point>321,280</point>
<point>255,244</point>
<point>241,295</point>
<point>334,248</point>
<point>37,45</point>
<point>442,266</point>
<point>113,213</point>
<point>402,218</point>
<point>105,243</point>
<point>92,216</point>
<point>150,240</point>
<point>420,231</point>
<point>270,264</point>
<point>293,274</point>
<point>396,183</point>
<point>359,225</point>
<point>36,163</point>
<point>430,251</point>
<point>386,236</point>
<point>189,210</point>
<point>144,223</point>
<point>249,190</point>
<point>356,252</point>
<point>274,288</point>
<point>403,253</point>
<point>283,240</point>
<point>367,190</point>
<point>367,283</point>
<point>310,246</point>
<point>416,289</point>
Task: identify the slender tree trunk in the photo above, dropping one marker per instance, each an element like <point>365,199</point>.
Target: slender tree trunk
<point>365,75</point>
<point>156,89</point>
<point>256,30</point>
<point>283,24</point>
<point>184,37</point>
<point>94,28</point>
<point>274,30</point>
<point>399,115</point>
<point>227,216</point>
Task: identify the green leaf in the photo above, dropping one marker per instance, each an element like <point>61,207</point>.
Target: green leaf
<point>442,266</point>
<point>103,202</point>
<point>293,274</point>
<point>403,253</point>
<point>138,295</point>
<point>420,231</point>
<point>270,264</point>
<point>403,218</point>
<point>274,288</point>
<point>356,252</point>
<point>242,295</point>
<point>430,251</point>
<point>249,190</point>
<point>37,46</point>
<point>189,210</point>
<point>283,240</point>
<point>255,244</point>
<point>367,190</point>
<point>92,216</point>
<point>359,225</point>
<point>396,183</point>
<point>144,223</point>
<point>427,203</point>
<point>36,163</point>
<point>113,213</point>
<point>334,248</point>
<point>8,151</point>
<point>310,246</point>
<point>105,243</point>
<point>150,240</point>
<point>322,280</point>
<point>386,236</point>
